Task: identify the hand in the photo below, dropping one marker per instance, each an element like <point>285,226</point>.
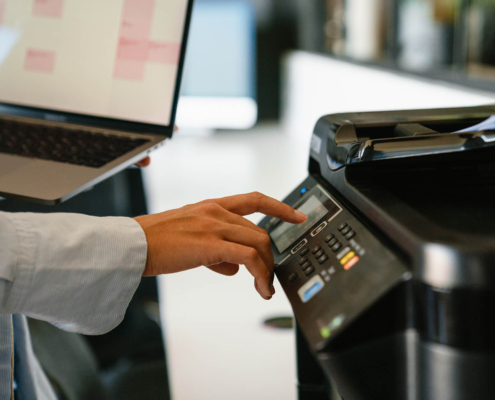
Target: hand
<point>144,163</point>
<point>213,233</point>
<point>147,161</point>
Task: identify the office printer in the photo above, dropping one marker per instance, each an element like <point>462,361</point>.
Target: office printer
<point>392,277</point>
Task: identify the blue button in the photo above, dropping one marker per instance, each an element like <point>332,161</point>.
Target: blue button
<point>312,291</point>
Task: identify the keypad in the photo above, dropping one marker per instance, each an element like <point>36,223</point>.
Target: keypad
<point>323,258</point>
<point>346,230</point>
<point>309,271</point>
<point>316,249</point>
<point>61,144</point>
<point>350,235</point>
<point>319,254</point>
<point>336,247</point>
<point>329,238</point>
<point>332,242</point>
<point>306,265</point>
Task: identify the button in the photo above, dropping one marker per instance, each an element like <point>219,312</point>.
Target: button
<point>327,278</point>
<point>342,226</point>
<point>307,264</point>
<point>332,242</point>
<point>303,260</point>
<point>331,270</point>
<point>316,249</point>
<point>336,247</point>
<point>319,254</point>
<point>346,230</point>
<point>293,277</point>
<point>347,257</point>
<point>309,271</point>
<point>323,258</point>
<point>304,251</point>
<point>324,272</point>
<point>318,229</point>
<point>313,286</point>
<point>350,235</point>
<point>343,253</point>
<point>299,246</point>
<point>329,237</point>
<point>353,261</point>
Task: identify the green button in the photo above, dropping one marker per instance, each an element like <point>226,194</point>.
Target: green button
<point>325,332</point>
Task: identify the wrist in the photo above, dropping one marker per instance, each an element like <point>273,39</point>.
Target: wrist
<point>147,269</point>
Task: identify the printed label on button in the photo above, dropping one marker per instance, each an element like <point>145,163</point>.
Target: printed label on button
<point>319,229</point>
<point>299,246</point>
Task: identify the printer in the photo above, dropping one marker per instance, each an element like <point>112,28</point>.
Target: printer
<point>392,277</point>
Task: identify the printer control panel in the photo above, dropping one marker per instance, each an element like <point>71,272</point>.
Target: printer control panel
<point>332,268</point>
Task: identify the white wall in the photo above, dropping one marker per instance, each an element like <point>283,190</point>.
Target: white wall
<point>319,85</point>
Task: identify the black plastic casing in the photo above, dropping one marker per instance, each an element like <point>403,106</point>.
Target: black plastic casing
<point>432,336</point>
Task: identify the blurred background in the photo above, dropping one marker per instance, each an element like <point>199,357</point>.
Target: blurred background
<point>258,75</point>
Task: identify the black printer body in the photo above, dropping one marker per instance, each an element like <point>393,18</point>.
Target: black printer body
<point>392,277</point>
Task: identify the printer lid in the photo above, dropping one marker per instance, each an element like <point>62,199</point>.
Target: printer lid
<point>362,137</point>
<point>427,189</point>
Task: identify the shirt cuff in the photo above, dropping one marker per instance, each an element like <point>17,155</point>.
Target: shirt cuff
<point>9,248</point>
<point>75,271</point>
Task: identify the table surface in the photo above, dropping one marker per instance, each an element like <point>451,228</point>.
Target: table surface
<point>218,347</point>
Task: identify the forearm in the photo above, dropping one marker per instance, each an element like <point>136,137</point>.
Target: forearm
<point>75,271</point>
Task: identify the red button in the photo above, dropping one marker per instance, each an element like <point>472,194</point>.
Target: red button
<point>353,261</point>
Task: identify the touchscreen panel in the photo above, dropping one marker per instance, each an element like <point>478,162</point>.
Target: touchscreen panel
<point>316,206</point>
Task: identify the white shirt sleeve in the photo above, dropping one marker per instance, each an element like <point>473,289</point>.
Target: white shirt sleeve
<point>74,271</point>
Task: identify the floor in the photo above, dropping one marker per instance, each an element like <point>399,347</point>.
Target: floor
<point>217,345</point>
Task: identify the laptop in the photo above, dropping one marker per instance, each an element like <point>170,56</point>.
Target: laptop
<point>87,88</point>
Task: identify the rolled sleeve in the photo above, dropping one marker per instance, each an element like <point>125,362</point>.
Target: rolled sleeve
<point>74,271</point>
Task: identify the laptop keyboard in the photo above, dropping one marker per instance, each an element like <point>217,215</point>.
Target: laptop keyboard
<point>64,145</point>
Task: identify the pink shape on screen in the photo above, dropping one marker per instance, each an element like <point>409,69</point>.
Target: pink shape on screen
<point>48,8</point>
<point>135,29</point>
<point>130,49</point>
<point>40,61</point>
<point>139,9</point>
<point>164,52</point>
<point>2,11</point>
<point>129,70</point>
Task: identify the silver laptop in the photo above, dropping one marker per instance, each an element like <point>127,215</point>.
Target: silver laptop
<point>87,88</point>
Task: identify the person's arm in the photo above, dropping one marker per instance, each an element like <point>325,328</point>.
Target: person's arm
<point>74,271</point>
<point>79,273</point>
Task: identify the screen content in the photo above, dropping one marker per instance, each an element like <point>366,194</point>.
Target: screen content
<point>286,234</point>
<point>111,58</point>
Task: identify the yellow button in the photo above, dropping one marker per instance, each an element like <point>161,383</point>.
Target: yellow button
<point>347,257</point>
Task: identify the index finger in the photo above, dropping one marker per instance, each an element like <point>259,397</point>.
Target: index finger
<point>246,204</point>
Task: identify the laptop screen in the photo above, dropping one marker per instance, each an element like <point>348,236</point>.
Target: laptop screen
<point>106,58</point>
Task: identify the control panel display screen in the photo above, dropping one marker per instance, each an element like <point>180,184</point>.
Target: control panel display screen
<point>286,234</point>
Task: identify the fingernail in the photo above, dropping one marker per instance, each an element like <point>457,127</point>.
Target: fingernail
<point>301,215</point>
<point>272,289</point>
